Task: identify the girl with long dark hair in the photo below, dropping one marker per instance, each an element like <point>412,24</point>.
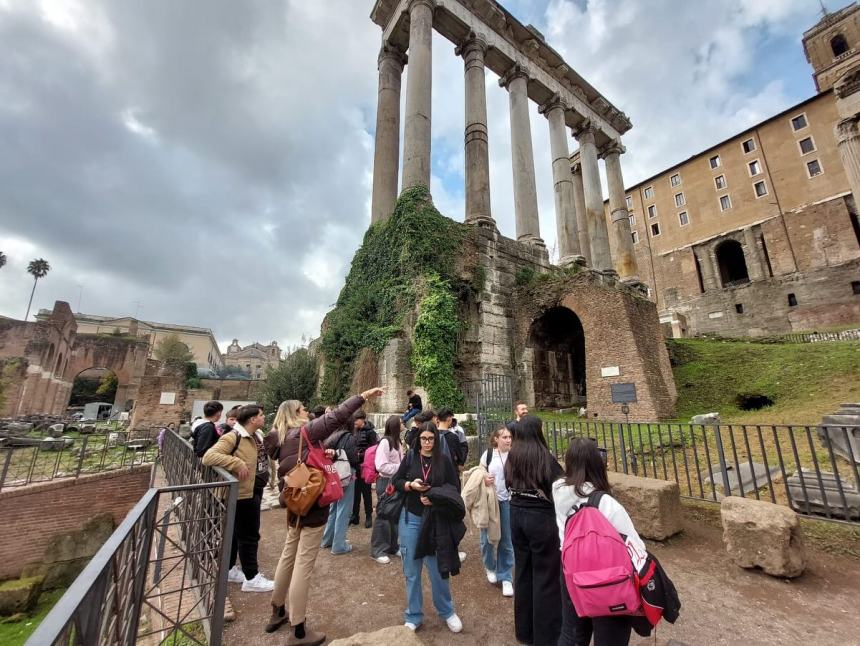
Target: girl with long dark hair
<point>529,473</point>
<point>424,469</point>
<point>585,472</point>
<point>383,540</point>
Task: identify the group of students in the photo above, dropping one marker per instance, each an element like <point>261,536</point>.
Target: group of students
<point>520,549</point>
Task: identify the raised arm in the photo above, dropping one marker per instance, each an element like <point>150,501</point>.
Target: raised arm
<point>321,427</point>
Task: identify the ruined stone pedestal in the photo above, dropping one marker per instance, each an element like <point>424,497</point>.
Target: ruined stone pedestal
<point>654,505</point>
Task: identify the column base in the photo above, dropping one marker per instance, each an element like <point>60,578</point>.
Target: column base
<point>569,261</point>
<point>483,221</point>
<point>633,282</point>
<point>532,240</point>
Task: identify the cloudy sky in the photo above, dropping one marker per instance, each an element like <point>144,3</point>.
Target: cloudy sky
<point>208,162</point>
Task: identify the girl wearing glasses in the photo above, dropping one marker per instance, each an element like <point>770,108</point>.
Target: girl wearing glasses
<point>421,471</point>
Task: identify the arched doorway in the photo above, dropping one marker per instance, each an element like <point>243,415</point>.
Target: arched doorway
<point>558,370</point>
<point>733,265</point>
<point>95,385</point>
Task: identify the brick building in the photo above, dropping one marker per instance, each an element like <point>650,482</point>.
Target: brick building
<point>253,359</point>
<point>759,233</point>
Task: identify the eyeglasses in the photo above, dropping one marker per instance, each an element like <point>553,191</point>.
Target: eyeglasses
<point>427,439</point>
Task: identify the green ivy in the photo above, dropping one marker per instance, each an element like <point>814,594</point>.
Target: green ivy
<point>434,344</point>
<point>384,284</point>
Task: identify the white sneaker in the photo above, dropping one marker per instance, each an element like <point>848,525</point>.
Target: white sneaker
<point>235,575</point>
<point>462,556</point>
<point>382,559</point>
<point>491,576</point>
<point>398,554</point>
<point>258,584</point>
<point>507,589</point>
<point>411,626</point>
<point>454,624</point>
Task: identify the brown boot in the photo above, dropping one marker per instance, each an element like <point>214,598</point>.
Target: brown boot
<point>311,638</point>
<point>279,618</point>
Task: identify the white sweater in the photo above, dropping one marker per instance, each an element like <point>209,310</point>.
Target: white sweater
<point>565,499</point>
<point>386,460</point>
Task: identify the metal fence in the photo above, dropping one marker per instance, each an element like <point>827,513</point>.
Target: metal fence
<point>813,470</point>
<point>47,458</point>
<point>162,575</point>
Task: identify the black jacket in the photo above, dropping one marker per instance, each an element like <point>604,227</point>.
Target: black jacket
<point>410,468</point>
<point>442,529</point>
<point>205,437</point>
<point>344,440</point>
<point>364,438</point>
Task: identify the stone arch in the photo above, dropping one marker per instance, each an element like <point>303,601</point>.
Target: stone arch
<point>732,263</point>
<point>838,45</point>
<point>82,393</point>
<point>557,341</point>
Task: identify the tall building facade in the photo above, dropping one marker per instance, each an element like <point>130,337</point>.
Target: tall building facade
<point>759,233</point>
<point>253,359</point>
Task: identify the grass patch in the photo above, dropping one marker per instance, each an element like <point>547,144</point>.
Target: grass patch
<point>805,380</point>
<point>17,629</point>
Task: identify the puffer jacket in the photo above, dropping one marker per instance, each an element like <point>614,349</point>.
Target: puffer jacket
<point>481,502</point>
<point>318,431</point>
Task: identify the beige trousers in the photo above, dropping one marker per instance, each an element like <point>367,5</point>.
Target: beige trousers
<point>295,568</point>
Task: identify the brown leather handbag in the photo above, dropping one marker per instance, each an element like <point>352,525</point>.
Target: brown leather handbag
<point>302,486</point>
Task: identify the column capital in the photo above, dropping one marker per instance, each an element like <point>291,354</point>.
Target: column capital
<point>847,129</point>
<point>472,42</point>
<point>393,53</point>
<point>515,72</point>
<point>614,147</point>
<point>585,133</point>
<point>550,104</point>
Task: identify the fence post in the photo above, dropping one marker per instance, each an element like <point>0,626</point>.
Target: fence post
<point>6,462</point>
<point>623,446</point>
<point>81,457</point>
<point>724,472</point>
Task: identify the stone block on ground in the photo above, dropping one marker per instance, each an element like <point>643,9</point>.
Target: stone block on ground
<point>750,475</point>
<point>399,635</point>
<point>654,505</point>
<point>833,495</point>
<point>56,430</point>
<point>19,595</point>
<point>761,534</point>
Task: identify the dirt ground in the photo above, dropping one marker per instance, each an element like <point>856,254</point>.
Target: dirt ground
<point>721,603</point>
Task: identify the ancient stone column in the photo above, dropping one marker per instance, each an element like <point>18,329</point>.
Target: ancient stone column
<point>579,205</point>
<point>386,155</point>
<point>755,265</point>
<point>625,257</point>
<point>476,144</point>
<point>848,145</point>
<point>707,268</point>
<point>598,235</point>
<point>416,132</point>
<point>525,193</point>
<point>565,212</point>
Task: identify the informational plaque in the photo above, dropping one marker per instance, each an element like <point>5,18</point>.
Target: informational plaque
<point>168,398</point>
<point>623,393</point>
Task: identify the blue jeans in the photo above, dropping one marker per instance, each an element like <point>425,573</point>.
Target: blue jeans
<point>412,412</point>
<point>500,559</point>
<point>338,521</point>
<point>409,528</point>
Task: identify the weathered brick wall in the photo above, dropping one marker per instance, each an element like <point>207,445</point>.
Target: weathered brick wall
<point>822,235</point>
<point>232,389</point>
<point>36,514</point>
<point>149,412</point>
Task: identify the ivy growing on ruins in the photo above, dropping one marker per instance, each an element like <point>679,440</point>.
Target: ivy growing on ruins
<point>402,280</point>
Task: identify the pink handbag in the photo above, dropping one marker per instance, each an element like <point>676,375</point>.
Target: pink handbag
<point>333,490</point>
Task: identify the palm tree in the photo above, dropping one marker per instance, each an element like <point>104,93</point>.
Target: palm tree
<point>38,268</point>
<point>2,259</point>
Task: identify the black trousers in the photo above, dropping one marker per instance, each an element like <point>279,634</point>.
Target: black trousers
<point>362,490</point>
<point>577,631</point>
<point>246,534</point>
<point>537,566</point>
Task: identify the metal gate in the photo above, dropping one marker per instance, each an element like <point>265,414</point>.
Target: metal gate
<point>494,402</point>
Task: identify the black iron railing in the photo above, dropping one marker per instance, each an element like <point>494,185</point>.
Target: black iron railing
<point>163,572</point>
<point>812,469</point>
<point>39,459</point>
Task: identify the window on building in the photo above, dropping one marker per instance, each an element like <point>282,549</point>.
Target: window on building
<point>635,236</point>
<point>792,300</point>
<point>748,146</point>
<point>732,264</point>
<point>632,220</point>
<point>675,180</point>
<point>649,193</point>
<point>683,218</point>
<point>754,168</point>
<point>806,145</point>
<point>813,168</point>
<point>679,199</point>
<point>720,182</point>
<point>725,203</point>
<point>760,189</point>
<point>839,45</point>
<point>655,229</point>
<point>798,122</point>
<point>739,308</point>
<point>652,211</point>
<point>855,287</point>
<point>629,201</point>
<point>714,161</point>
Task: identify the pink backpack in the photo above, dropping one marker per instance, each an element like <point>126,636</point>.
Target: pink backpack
<point>597,569</point>
<point>368,465</point>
